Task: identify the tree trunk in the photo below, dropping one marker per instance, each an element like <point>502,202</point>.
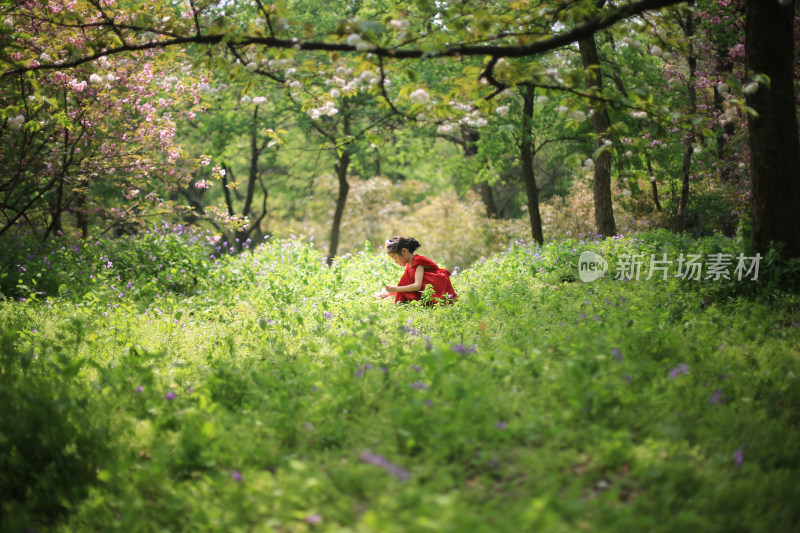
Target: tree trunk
<point>57,209</point>
<point>688,142</point>
<point>342,162</point>
<point>488,199</point>
<point>653,182</point>
<point>526,153</point>
<point>774,142</point>
<point>344,188</point>
<point>82,215</point>
<point>252,178</point>
<point>603,208</point>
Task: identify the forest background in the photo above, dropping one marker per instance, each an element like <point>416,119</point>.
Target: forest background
<point>352,121</point>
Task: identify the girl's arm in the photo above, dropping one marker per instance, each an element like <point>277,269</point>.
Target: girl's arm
<point>414,287</point>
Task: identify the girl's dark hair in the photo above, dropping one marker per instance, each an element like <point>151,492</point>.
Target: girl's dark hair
<point>396,244</point>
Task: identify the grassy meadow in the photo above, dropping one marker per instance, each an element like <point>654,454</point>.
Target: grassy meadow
<point>163,383</point>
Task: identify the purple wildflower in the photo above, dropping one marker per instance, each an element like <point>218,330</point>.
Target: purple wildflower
<point>738,457</point>
<point>617,353</point>
<point>327,315</point>
<point>378,460</point>
<point>416,368</point>
<point>190,390</point>
<point>314,519</point>
<point>678,370</point>
<point>795,324</point>
<point>237,476</point>
<point>139,389</point>
<point>170,396</point>
<point>716,397</point>
<point>463,350</point>
<point>419,385</point>
<point>500,425</point>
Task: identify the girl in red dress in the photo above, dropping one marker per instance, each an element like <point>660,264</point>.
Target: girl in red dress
<point>419,273</point>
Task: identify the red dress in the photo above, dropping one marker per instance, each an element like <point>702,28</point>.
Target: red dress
<point>438,277</point>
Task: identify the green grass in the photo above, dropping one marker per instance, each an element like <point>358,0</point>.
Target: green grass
<point>537,402</point>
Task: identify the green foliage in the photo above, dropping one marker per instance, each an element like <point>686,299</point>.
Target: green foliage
<point>283,396</point>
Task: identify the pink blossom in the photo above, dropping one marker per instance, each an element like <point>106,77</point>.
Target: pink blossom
<point>736,51</point>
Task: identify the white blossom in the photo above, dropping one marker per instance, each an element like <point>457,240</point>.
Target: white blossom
<point>335,93</point>
<point>290,71</point>
<point>258,100</point>
<point>445,128</point>
<point>628,154</point>
<point>626,193</point>
<point>95,79</point>
<point>45,58</point>
<point>723,88</point>
<point>751,88</point>
<point>17,122</point>
<point>149,36</point>
<point>588,165</point>
<point>245,99</point>
<point>639,114</point>
<point>353,39</point>
<point>542,99</point>
<point>420,96</point>
<point>656,50</point>
<point>8,22</point>
<point>562,109</point>
<point>398,24</point>
<point>552,72</point>
<point>502,110</point>
<point>296,85</point>
<point>363,46</point>
<point>252,66</point>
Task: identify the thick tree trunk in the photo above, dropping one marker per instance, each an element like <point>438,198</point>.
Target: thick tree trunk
<point>688,143</point>
<point>774,142</point>
<point>526,153</point>
<point>603,208</point>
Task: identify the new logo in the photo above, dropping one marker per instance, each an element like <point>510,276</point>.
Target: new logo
<point>591,266</point>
